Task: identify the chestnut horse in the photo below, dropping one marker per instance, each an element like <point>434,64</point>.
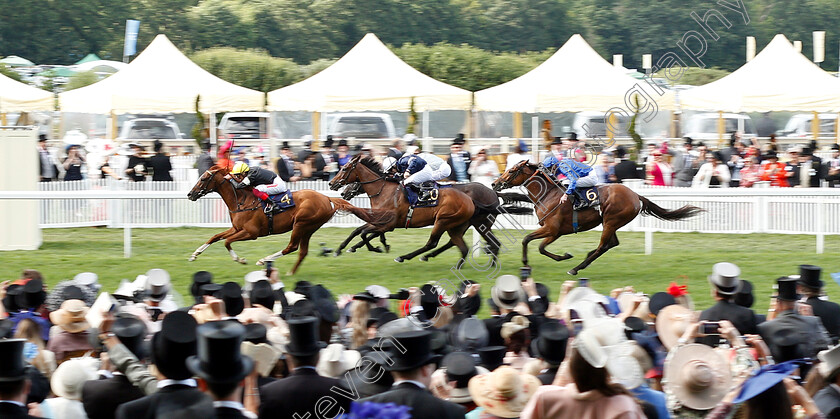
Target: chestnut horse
<point>310,212</point>
<point>452,214</point>
<point>619,206</point>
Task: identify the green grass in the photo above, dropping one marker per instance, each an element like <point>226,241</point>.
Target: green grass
<point>762,258</point>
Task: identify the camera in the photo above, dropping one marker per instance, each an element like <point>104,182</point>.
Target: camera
<point>525,272</point>
<point>710,328</point>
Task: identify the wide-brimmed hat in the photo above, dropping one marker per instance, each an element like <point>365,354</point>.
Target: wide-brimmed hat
<point>671,323</point>
<point>503,392</point>
<point>69,378</point>
<point>264,355</point>
<point>131,332</point>
<point>470,335</point>
<point>334,360</point>
<point>32,295</point>
<point>603,341</point>
<point>231,294</point>
<point>725,278</point>
<point>71,316</point>
<point>158,284</point>
<point>697,375</point>
<point>219,358</point>
<point>516,324</point>
<point>303,336</point>
<point>460,367</point>
<point>577,294</point>
<point>492,357</point>
<point>507,292</point>
<point>764,379</point>
<point>417,346</point>
<point>13,368</point>
<point>550,344</point>
<point>830,365</point>
<point>378,291</point>
<point>787,288</point>
<point>809,276</point>
<point>175,342</point>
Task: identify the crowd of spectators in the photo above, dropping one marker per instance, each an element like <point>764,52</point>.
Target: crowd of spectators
<point>259,349</point>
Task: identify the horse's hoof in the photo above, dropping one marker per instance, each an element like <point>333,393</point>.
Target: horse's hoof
<point>388,249</point>
<point>191,259</point>
<point>290,273</point>
<point>338,252</point>
<point>572,272</point>
<point>260,262</point>
<point>242,261</point>
<point>351,250</point>
<point>424,259</point>
<point>376,250</point>
<point>399,259</point>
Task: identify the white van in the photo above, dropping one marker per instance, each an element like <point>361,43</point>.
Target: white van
<point>799,126</point>
<point>590,124</point>
<point>244,125</point>
<point>361,125</point>
<point>704,126</point>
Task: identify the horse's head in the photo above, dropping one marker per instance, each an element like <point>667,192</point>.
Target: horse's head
<point>208,182</point>
<point>346,175</point>
<point>352,190</point>
<point>515,176</point>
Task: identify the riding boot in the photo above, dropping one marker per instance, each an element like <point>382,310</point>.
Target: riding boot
<point>578,201</point>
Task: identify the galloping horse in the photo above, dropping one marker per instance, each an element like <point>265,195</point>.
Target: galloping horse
<point>485,199</point>
<point>619,206</point>
<point>310,212</point>
<point>452,214</point>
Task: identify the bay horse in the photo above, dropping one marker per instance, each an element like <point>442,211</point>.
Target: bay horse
<point>619,206</point>
<point>452,214</point>
<point>311,211</point>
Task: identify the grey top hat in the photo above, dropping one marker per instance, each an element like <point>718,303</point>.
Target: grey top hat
<point>157,284</point>
<point>725,278</point>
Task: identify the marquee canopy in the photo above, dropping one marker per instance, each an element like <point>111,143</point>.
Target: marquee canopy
<point>18,97</point>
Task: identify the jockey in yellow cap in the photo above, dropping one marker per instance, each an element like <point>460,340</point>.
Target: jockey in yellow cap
<point>264,182</point>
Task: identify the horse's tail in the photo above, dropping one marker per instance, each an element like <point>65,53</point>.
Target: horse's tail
<point>372,216</point>
<point>649,208</point>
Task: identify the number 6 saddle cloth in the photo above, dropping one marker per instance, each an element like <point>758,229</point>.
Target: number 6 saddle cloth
<point>587,198</point>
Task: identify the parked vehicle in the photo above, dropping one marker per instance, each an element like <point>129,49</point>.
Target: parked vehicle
<point>361,125</point>
<point>590,124</point>
<point>150,129</point>
<point>799,125</point>
<point>244,125</point>
<point>704,126</point>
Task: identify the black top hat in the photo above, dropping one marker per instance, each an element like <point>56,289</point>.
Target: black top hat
<point>231,294</point>
<point>303,287</point>
<point>10,301</point>
<point>418,351</point>
<point>787,288</point>
<point>771,155</point>
<point>219,359</point>
<point>256,333</point>
<point>6,327</point>
<point>470,334</point>
<point>492,357</point>
<point>175,342</point>
<point>542,290</point>
<point>659,301</point>
<point>688,140</point>
<point>632,325</point>
<point>131,332</point>
<point>200,278</point>
<point>262,294</point>
<point>365,296</point>
<point>303,308</point>
<point>11,352</point>
<point>744,297</point>
<point>285,145</point>
<point>328,143</point>
<point>460,367</point>
<point>429,299</point>
<point>72,292</point>
<point>324,304</point>
<point>342,143</point>
<point>835,146</point>
<point>385,317</point>
<point>807,151</point>
<point>556,141</point>
<point>32,295</point>
<point>573,136</point>
<point>550,344</point>
<point>210,289</point>
<point>809,276</point>
<point>303,336</point>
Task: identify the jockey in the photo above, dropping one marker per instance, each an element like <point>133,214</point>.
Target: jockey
<point>420,168</point>
<point>263,181</point>
<point>579,175</point>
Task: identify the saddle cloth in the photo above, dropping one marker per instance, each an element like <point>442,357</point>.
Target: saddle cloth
<point>588,197</point>
<point>282,201</point>
<point>412,193</point>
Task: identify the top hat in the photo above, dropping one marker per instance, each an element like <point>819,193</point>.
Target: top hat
<point>262,294</point>
<point>550,344</point>
<point>659,301</point>
<point>324,303</point>
<point>688,140</point>
<point>459,139</point>
<point>492,356</point>
<point>11,352</point>
<point>175,342</point>
<point>835,147</point>
<point>328,143</point>
<point>725,278</point>
<point>219,358</point>
<point>744,297</point>
<point>32,295</point>
<point>231,294</point>
<point>460,367</point>
<point>200,278</point>
<point>285,146</point>
<point>556,141</point>
<point>507,292</point>
<point>573,136</point>
<point>470,334</point>
<point>430,299</point>
<point>771,155</point>
<point>210,289</point>
<point>809,276</point>
<point>158,284</point>
<point>72,292</point>
<point>131,332</point>
<point>256,333</point>
<point>10,301</point>
<point>303,336</point>
<point>303,287</point>
<point>302,308</point>
<point>787,288</point>
<point>415,351</point>
<point>342,142</point>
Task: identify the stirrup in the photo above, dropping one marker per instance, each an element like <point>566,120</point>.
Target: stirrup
<point>269,207</point>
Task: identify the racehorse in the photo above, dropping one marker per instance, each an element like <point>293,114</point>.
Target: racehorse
<point>310,212</point>
<point>485,199</point>
<point>619,206</point>
<point>453,213</point>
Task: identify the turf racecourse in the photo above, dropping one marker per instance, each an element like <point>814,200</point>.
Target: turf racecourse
<point>762,258</point>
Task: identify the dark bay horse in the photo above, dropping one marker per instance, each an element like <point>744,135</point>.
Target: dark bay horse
<point>452,214</point>
<point>619,206</point>
<point>310,212</point>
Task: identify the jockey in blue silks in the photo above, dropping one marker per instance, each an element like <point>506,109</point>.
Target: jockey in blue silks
<point>579,175</point>
<point>425,167</point>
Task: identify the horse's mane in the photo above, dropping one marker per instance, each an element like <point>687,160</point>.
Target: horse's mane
<point>372,164</point>
<point>224,169</point>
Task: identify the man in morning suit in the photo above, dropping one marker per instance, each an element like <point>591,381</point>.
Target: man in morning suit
<point>725,285</point>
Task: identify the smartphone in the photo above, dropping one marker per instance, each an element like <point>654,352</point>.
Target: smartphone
<point>710,328</point>
<point>268,265</point>
<point>583,282</point>
<point>113,308</point>
<point>577,326</point>
<point>525,272</point>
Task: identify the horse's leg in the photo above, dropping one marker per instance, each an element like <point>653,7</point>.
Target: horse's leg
<point>456,237</point>
<point>303,249</point>
<point>235,237</point>
<point>437,251</point>
<point>548,240</point>
<point>433,241</point>
<point>294,243</point>
<point>367,236</point>
<point>346,241</point>
<point>212,240</point>
<point>544,231</point>
<point>608,241</point>
<point>384,243</point>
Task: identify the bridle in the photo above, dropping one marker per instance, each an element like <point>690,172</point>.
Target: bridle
<point>206,188</point>
<point>205,184</point>
<point>505,184</point>
<point>354,187</point>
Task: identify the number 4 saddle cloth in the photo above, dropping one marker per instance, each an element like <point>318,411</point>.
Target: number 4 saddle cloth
<point>282,202</point>
<point>587,198</point>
